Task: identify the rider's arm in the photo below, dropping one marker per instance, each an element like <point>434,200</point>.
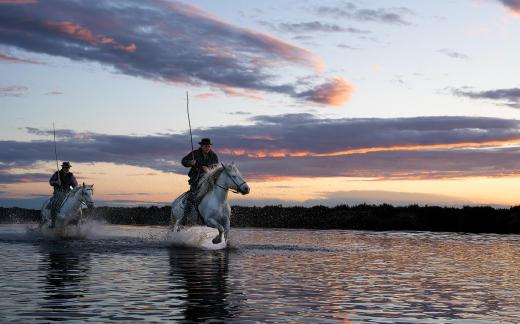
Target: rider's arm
<point>186,161</point>
<point>74,181</point>
<point>53,181</point>
<point>214,160</point>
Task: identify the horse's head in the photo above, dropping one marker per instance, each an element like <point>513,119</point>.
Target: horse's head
<point>234,179</point>
<point>86,195</point>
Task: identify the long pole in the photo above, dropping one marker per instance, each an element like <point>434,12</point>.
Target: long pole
<point>56,154</point>
<point>189,123</point>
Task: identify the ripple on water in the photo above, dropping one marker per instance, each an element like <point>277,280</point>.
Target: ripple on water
<point>131,273</point>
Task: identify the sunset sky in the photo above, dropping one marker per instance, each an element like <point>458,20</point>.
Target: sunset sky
<point>318,102</point>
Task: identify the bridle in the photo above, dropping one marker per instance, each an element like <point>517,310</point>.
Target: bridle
<point>236,184</point>
<point>83,201</point>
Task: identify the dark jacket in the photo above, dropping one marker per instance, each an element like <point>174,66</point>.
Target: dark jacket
<point>196,171</point>
<point>67,181</point>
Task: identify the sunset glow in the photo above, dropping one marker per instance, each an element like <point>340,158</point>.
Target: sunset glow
<point>323,103</point>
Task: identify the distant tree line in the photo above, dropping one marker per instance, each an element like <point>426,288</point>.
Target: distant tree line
<point>362,217</point>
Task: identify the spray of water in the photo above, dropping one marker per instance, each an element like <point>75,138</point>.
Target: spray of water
<point>85,230</point>
<point>195,237</point>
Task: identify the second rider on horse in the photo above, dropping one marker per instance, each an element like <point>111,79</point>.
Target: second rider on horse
<point>63,182</point>
<point>200,161</point>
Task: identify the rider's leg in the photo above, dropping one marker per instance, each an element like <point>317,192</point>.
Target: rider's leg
<point>54,210</point>
<point>56,201</point>
<point>190,197</point>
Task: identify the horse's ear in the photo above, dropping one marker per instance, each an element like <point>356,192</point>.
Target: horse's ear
<point>232,163</point>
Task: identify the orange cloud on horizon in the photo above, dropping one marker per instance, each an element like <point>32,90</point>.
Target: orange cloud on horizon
<point>303,153</point>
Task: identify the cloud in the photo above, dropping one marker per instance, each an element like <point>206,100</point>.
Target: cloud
<point>4,58</point>
<point>335,92</point>
<point>13,91</point>
<point>303,145</point>
<point>316,26</point>
<point>393,16</point>
<point>453,54</point>
<point>509,97</point>
<point>512,5</point>
<point>161,40</point>
<point>18,2</point>
<point>241,113</point>
<point>345,46</point>
<point>23,178</point>
<point>54,93</point>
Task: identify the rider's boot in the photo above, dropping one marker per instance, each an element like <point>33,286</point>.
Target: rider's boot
<point>187,208</point>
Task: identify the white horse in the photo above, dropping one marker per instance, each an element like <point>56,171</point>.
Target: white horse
<point>70,209</point>
<point>212,197</point>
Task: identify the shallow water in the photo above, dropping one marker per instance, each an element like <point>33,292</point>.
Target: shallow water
<point>130,273</point>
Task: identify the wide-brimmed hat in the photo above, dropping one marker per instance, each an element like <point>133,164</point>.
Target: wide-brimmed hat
<point>205,141</point>
<point>66,165</point>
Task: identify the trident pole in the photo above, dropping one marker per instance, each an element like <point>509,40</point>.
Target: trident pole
<point>56,154</point>
<point>189,123</point>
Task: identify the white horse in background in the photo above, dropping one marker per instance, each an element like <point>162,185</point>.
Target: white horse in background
<point>212,196</point>
<point>70,209</point>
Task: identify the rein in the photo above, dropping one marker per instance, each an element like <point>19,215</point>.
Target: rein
<point>236,184</point>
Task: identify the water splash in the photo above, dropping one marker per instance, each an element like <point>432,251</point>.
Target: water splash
<point>86,230</point>
<point>195,237</point>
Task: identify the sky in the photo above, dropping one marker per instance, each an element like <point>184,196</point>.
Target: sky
<point>329,102</point>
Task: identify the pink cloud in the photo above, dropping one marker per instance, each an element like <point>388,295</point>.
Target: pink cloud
<point>513,6</point>
<point>11,59</point>
<point>270,43</point>
<point>79,32</point>
<point>335,92</point>
<point>205,95</point>
<point>172,42</point>
<point>234,92</point>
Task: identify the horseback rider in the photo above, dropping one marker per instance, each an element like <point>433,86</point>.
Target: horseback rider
<point>63,182</point>
<point>200,161</point>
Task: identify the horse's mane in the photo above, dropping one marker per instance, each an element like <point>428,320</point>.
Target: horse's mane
<point>208,181</point>
<point>75,190</point>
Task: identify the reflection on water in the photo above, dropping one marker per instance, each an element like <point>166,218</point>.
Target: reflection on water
<point>65,271</point>
<point>133,274</point>
<point>203,276</point>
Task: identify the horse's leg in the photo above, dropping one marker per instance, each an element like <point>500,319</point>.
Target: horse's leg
<point>173,220</point>
<point>226,228</point>
<point>81,219</point>
<point>177,226</point>
<point>213,223</point>
<point>176,220</point>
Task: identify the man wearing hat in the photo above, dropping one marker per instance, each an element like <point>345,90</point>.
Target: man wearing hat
<point>63,182</point>
<point>200,161</point>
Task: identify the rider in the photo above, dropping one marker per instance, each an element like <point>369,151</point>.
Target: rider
<point>63,182</point>
<point>200,161</point>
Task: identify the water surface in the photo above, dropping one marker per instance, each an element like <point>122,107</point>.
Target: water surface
<point>139,273</point>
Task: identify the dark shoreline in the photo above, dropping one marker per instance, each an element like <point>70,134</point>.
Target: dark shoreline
<point>362,217</point>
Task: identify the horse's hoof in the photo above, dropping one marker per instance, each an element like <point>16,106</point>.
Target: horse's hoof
<point>217,240</point>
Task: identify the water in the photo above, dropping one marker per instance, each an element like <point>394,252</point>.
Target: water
<point>130,274</point>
